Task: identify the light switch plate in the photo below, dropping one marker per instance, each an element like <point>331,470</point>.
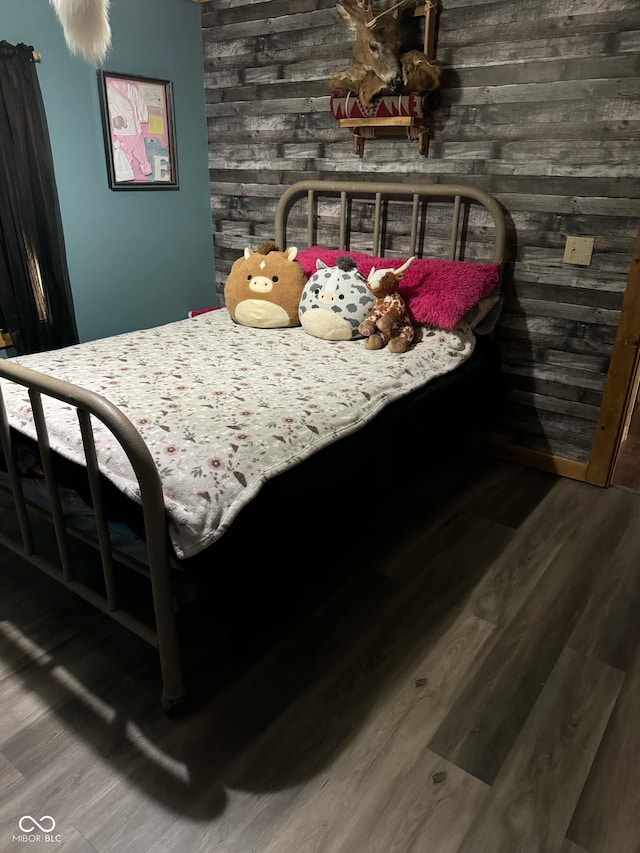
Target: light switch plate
<point>578,250</point>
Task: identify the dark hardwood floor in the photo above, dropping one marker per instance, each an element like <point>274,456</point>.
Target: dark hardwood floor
<point>471,684</point>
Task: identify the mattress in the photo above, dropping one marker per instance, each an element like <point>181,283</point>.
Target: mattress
<point>224,408</point>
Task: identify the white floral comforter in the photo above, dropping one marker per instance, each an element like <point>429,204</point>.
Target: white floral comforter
<point>223,407</point>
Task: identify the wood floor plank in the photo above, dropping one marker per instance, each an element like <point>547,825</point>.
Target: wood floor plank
<point>570,847</point>
<point>56,677</point>
<point>430,807</point>
<point>536,791</point>
<point>77,843</point>
<point>480,730</point>
<point>123,820</point>
<point>88,744</point>
<point>10,778</point>
<point>512,576</point>
<point>90,723</point>
<point>607,817</point>
<point>609,628</point>
<point>475,483</point>
<point>403,628</point>
<point>96,759</point>
<point>440,514</point>
<point>73,776</point>
<point>36,607</point>
<point>255,746</point>
<point>437,551</point>
<point>370,690</point>
<point>82,781</point>
<point>516,500</point>
<point>392,740</point>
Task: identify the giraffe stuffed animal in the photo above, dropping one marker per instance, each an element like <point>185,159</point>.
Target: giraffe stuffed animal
<point>388,323</point>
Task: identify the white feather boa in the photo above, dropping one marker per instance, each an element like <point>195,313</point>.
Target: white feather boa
<point>86,27</point>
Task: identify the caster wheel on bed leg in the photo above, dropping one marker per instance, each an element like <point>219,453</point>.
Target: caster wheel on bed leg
<point>173,708</point>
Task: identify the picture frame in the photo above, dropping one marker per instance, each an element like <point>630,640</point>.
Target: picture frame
<point>139,131</point>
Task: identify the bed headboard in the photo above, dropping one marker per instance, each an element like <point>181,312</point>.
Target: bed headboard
<point>387,219</point>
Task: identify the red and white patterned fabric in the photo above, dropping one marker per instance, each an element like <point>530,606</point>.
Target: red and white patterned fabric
<point>346,104</point>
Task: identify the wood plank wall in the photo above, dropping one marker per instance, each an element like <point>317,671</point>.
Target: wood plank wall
<point>540,106</point>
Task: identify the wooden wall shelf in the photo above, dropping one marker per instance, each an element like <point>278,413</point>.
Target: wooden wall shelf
<point>390,128</point>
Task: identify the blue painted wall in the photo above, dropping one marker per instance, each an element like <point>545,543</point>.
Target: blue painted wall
<point>141,258</point>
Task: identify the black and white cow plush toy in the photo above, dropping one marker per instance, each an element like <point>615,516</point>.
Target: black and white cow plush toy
<point>334,301</point>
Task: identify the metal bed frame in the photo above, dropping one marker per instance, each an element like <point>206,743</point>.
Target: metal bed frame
<point>382,193</point>
<point>158,570</point>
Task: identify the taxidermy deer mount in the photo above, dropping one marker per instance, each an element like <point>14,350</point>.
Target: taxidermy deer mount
<point>86,27</point>
<point>378,64</point>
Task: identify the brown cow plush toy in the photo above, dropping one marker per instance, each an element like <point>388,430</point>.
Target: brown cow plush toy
<point>388,322</point>
<point>264,288</point>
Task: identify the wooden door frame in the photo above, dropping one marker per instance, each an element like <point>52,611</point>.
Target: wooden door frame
<point>617,399</point>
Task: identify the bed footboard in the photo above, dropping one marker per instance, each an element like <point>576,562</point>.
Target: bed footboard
<point>87,404</point>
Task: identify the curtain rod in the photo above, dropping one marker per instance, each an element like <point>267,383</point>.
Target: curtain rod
<point>37,57</point>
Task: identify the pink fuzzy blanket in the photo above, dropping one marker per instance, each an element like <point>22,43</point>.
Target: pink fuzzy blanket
<point>437,292</point>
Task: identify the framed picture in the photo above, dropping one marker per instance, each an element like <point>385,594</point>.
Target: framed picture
<point>139,132</point>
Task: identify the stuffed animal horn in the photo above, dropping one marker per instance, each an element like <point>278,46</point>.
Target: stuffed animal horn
<point>375,276</point>
<point>86,27</point>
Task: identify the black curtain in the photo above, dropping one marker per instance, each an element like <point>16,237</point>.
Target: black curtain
<point>35,295</point>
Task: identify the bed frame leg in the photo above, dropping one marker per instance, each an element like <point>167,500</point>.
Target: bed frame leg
<point>173,708</point>
<point>173,693</point>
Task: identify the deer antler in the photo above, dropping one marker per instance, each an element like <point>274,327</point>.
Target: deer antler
<point>401,5</point>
